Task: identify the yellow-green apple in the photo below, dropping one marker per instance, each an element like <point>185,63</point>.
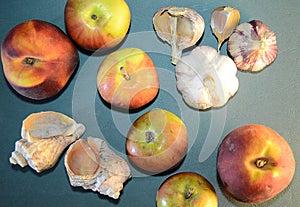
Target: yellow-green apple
<point>127,78</point>
<point>186,189</point>
<point>97,24</point>
<point>38,59</point>
<point>255,163</point>
<point>157,141</point>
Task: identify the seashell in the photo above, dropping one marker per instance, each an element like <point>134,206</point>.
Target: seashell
<point>92,164</point>
<point>45,135</point>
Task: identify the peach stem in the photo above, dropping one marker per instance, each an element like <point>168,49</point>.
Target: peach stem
<point>29,61</point>
<point>260,163</point>
<point>124,73</point>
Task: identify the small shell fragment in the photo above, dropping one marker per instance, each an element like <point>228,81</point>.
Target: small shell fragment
<point>92,164</point>
<point>252,46</point>
<point>45,135</point>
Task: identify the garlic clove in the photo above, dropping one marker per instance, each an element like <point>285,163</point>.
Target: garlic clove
<point>179,27</point>
<point>223,21</point>
<point>252,46</point>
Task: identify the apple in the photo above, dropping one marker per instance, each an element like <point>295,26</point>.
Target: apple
<point>157,141</point>
<point>255,163</point>
<point>38,59</point>
<point>97,24</point>
<point>186,189</point>
<point>127,78</point>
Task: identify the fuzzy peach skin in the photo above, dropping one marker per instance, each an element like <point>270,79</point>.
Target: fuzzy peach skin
<point>38,59</point>
<point>255,163</point>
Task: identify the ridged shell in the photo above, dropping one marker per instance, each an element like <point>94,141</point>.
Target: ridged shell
<point>45,135</point>
<point>92,164</point>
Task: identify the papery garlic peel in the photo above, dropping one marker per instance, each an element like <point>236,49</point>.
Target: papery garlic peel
<point>180,27</point>
<point>223,21</point>
<point>252,46</point>
<point>206,79</point>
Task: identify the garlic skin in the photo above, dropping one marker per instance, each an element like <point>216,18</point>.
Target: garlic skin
<point>223,21</point>
<point>252,46</point>
<point>179,27</point>
<point>206,79</point>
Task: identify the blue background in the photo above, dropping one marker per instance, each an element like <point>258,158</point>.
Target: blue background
<point>270,97</point>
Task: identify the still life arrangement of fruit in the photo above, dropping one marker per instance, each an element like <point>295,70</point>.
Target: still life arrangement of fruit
<point>157,142</point>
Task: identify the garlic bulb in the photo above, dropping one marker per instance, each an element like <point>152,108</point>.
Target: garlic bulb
<point>223,21</point>
<point>179,27</point>
<point>252,46</point>
<point>205,78</point>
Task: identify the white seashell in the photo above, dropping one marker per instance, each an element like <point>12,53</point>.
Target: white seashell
<point>91,164</point>
<point>45,135</point>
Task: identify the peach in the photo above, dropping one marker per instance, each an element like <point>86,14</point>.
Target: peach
<point>38,59</point>
<point>255,163</point>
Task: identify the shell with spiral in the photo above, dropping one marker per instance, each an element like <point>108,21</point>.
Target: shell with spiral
<point>45,135</point>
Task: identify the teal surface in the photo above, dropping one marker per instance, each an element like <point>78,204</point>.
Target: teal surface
<point>270,97</point>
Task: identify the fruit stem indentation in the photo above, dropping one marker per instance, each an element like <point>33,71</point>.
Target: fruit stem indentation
<point>94,17</point>
<point>29,61</point>
<point>261,162</point>
<point>124,73</point>
<point>149,137</point>
<point>189,192</point>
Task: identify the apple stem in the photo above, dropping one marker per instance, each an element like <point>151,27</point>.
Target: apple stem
<point>260,163</point>
<point>189,193</point>
<point>124,73</point>
<point>29,61</point>
<point>94,16</point>
<point>149,137</point>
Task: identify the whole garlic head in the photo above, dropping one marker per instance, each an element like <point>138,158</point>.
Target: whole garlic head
<point>179,27</point>
<point>206,79</point>
<point>252,46</point>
